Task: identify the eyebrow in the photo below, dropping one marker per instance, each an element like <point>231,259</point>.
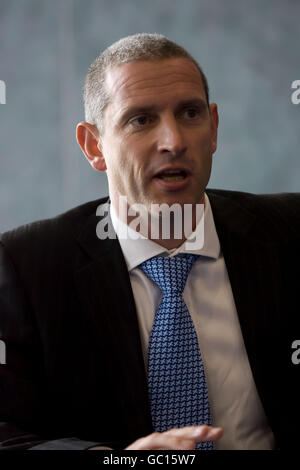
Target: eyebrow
<point>135,110</point>
<point>199,102</point>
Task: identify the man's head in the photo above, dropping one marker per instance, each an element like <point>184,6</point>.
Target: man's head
<point>139,47</point>
<point>147,114</point>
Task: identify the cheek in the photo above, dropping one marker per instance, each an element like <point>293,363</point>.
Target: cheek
<point>121,170</point>
<point>204,144</point>
<point>114,157</point>
<point>127,158</point>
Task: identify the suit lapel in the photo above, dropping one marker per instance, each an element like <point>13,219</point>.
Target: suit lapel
<point>105,291</point>
<point>254,272</point>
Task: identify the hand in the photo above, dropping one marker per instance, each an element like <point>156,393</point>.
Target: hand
<point>178,439</point>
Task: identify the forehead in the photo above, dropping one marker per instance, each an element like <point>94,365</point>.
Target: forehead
<point>137,82</point>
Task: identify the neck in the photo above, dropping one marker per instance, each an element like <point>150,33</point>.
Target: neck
<point>167,228</point>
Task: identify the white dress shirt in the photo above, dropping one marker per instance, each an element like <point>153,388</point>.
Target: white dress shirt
<point>234,401</point>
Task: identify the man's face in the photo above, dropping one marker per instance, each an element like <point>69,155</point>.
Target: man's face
<point>159,134</point>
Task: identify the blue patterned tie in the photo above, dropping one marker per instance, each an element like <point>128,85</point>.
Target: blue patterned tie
<point>177,387</point>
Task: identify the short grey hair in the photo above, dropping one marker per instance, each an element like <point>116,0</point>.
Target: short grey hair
<point>137,47</point>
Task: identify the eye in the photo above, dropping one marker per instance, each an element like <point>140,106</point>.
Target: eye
<point>141,121</point>
<point>191,113</point>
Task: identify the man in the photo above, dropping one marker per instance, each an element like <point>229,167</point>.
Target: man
<point>78,309</point>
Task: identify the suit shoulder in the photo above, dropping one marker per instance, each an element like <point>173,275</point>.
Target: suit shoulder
<point>277,213</point>
<point>283,200</point>
<point>57,230</point>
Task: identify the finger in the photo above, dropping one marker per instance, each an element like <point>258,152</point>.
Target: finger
<point>187,444</point>
<point>197,433</point>
<point>214,434</point>
<point>161,441</point>
<point>177,439</point>
<point>188,430</point>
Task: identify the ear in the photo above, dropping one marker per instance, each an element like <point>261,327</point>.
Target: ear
<point>88,139</point>
<point>214,120</point>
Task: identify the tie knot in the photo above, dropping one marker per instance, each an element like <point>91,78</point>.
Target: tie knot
<point>169,273</point>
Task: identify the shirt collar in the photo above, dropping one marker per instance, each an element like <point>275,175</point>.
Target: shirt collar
<point>137,249</point>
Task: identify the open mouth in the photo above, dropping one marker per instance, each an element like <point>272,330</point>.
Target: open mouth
<point>172,175</point>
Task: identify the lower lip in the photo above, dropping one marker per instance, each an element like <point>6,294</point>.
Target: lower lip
<point>172,185</point>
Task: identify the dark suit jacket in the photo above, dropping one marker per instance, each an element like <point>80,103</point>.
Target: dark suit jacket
<point>74,369</point>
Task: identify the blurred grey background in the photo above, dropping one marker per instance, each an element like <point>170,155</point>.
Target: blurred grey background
<point>249,51</point>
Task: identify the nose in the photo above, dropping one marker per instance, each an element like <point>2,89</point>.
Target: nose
<point>170,137</point>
